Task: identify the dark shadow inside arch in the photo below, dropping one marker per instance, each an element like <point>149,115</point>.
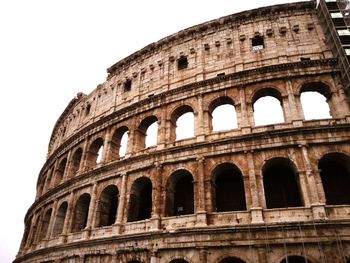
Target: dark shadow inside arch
<point>76,160</point>
<point>107,207</point>
<point>178,260</point>
<point>81,213</point>
<point>45,224</point>
<point>281,184</point>
<point>140,203</point>
<point>116,143</point>
<point>180,197</point>
<point>232,260</point>
<point>229,188</point>
<point>93,155</point>
<point>335,176</point>
<point>60,218</point>
<point>295,259</point>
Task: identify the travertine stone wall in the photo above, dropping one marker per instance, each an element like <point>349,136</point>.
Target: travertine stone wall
<point>135,195</point>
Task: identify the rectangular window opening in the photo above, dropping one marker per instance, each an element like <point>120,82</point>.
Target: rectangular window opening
<point>127,85</point>
<point>182,63</point>
<point>257,43</point>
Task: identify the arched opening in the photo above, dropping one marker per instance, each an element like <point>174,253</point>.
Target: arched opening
<point>229,188</point>
<point>107,207</point>
<point>281,184</point>
<point>119,143</point>
<point>182,120</point>
<point>314,98</point>
<point>81,213</point>
<point>267,107</point>
<point>60,218</point>
<point>147,133</point>
<point>45,224</point>
<point>60,171</point>
<point>295,259</point>
<point>314,105</point>
<point>180,197</point>
<point>232,260</point>
<point>48,179</point>
<point>335,176</point>
<point>94,155</point>
<point>76,160</point>
<point>33,231</point>
<point>140,203</point>
<point>223,114</point>
<point>178,260</point>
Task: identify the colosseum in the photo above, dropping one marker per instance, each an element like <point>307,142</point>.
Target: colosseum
<point>273,193</point>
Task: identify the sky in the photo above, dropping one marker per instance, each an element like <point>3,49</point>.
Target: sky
<point>49,51</point>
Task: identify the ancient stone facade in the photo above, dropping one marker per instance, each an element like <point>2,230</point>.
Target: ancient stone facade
<point>268,193</point>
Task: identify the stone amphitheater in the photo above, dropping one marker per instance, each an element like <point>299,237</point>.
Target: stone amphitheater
<point>277,192</point>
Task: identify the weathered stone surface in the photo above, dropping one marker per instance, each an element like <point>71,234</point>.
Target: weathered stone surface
<point>177,199</point>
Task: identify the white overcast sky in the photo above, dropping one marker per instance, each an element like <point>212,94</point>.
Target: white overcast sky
<point>49,51</point>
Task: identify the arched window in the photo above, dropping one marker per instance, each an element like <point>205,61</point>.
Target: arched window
<point>119,143</point>
<point>229,188</point>
<point>140,203</point>
<point>223,114</point>
<point>281,184</point>
<point>94,154</point>
<point>34,231</point>
<point>107,207</point>
<point>81,213</point>
<point>232,260</point>
<point>147,133</point>
<point>45,224</point>
<point>335,176</point>
<point>76,160</point>
<point>267,106</point>
<point>60,218</point>
<point>180,197</point>
<point>49,179</point>
<point>60,171</point>
<point>182,120</point>
<point>295,259</point>
<point>313,98</point>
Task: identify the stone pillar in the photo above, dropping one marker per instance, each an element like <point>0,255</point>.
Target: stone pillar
<point>162,129</point>
<point>295,111</point>
<point>107,146</point>
<point>52,220</point>
<point>154,257</point>
<point>338,102</point>
<point>156,195</point>
<point>317,206</point>
<point>67,169</point>
<point>262,254</point>
<point>245,120</point>
<point>84,161</point>
<point>203,255</point>
<point>121,206</point>
<point>201,214</point>
<point>68,220</point>
<point>199,121</point>
<point>92,208</point>
<point>255,208</point>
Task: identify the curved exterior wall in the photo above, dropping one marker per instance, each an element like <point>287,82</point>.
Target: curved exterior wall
<point>164,203</point>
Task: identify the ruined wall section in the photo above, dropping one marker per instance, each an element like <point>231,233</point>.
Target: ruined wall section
<point>212,49</point>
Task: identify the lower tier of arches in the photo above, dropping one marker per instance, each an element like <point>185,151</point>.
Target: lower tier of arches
<point>274,243</point>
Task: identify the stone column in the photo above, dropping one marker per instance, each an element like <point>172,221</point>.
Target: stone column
<point>156,195</point>
<point>201,214</point>
<point>83,162</point>
<point>255,208</point>
<point>295,112</point>
<point>67,226</point>
<point>154,257</point>
<point>317,206</point>
<point>67,169</point>
<point>121,206</point>
<point>203,255</point>
<point>162,129</point>
<point>245,119</point>
<point>92,208</point>
<point>52,220</point>
<point>262,254</point>
<point>199,121</point>
<point>107,146</point>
